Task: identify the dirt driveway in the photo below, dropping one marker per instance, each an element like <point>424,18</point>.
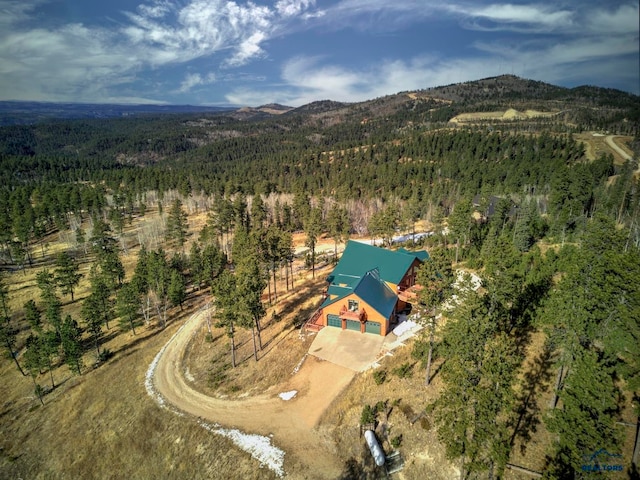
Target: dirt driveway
<point>290,424</point>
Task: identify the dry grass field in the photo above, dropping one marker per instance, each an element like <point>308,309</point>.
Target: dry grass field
<point>596,145</point>
<point>103,424</point>
<point>500,116</point>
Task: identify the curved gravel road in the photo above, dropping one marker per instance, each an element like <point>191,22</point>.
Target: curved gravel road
<point>617,148</point>
<point>291,424</point>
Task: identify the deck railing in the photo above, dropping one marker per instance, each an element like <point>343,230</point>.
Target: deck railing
<point>359,314</point>
<point>313,324</point>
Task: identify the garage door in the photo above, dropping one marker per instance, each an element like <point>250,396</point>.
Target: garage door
<point>353,325</point>
<point>372,327</point>
<point>334,321</point>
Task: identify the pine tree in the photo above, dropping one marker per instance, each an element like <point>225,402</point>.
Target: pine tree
<point>224,291</point>
<point>177,224</point>
<point>127,306</point>
<point>101,290</point>
<point>249,308</point>
<point>67,274</point>
<point>586,421</point>
<point>338,226</point>
<point>177,291</point>
<point>460,222</point>
<point>591,319</point>
<point>436,277</point>
<point>51,303</point>
<point>4,296</point>
<point>473,409</point>
<point>258,212</point>
<point>8,340</point>
<point>107,256</point>
<point>140,283</point>
<point>196,265</point>
<point>313,229</point>
<point>33,316</point>
<point>72,344</point>
<point>285,248</point>
<point>213,262</point>
<point>300,210</point>
<point>33,355</point>
<point>159,276</point>
<point>93,317</point>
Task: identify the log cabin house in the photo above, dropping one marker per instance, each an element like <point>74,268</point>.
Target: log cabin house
<point>368,287</point>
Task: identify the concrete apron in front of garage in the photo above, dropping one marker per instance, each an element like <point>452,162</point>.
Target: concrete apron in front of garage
<point>354,350</point>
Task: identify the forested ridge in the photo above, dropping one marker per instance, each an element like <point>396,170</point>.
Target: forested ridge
<point>552,234</point>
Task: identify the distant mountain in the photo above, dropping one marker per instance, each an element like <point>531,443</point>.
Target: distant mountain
<point>259,113</point>
<point>20,113</point>
<point>510,88</point>
<point>488,100</point>
<point>276,108</point>
<point>592,107</point>
<point>320,107</point>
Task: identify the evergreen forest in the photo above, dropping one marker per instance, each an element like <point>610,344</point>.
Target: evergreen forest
<point>538,208</point>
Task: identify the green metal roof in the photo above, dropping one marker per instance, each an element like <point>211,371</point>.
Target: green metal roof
<point>363,269</point>
<point>369,288</point>
<point>376,293</point>
<point>420,254</point>
<point>341,292</point>
<point>360,258</point>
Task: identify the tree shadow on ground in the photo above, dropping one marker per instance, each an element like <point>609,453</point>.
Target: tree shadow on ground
<point>534,384</point>
<point>362,468</point>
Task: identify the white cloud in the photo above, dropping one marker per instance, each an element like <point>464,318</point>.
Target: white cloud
<point>192,80</point>
<point>586,49</point>
<point>13,11</point>
<point>290,8</point>
<point>307,80</point>
<point>570,58</point>
<point>248,48</point>
<point>623,20</point>
<point>375,15</point>
<point>588,57</point>
<point>158,10</point>
<point>81,62</point>
<point>517,17</point>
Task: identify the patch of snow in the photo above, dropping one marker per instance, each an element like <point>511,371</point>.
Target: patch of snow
<point>258,446</point>
<point>397,238</point>
<point>459,285</point>
<point>297,368</point>
<point>404,327</point>
<point>288,395</point>
<point>409,236</point>
<point>476,281</point>
<point>188,376</point>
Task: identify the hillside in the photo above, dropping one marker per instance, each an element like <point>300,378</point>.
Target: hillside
<point>18,113</point>
<point>587,107</point>
<point>157,272</point>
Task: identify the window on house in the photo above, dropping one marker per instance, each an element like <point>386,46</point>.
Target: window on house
<point>353,305</point>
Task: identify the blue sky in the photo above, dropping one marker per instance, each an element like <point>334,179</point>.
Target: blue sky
<point>214,52</point>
